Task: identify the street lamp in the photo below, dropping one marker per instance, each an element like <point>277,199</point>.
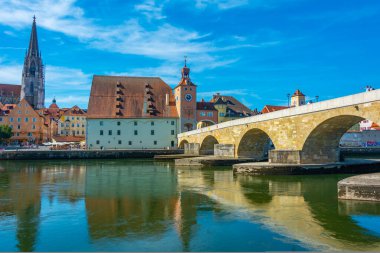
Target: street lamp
<point>288,95</point>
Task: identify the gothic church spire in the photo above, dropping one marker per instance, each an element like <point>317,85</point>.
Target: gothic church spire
<point>33,42</point>
<point>33,82</point>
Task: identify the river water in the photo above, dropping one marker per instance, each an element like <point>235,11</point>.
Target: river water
<point>142,205</point>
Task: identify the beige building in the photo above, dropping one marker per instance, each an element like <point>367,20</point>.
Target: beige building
<point>28,126</point>
<point>72,123</point>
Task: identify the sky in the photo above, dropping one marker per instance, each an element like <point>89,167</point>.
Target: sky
<point>255,50</point>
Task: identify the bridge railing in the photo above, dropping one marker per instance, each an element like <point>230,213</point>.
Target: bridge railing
<point>351,100</point>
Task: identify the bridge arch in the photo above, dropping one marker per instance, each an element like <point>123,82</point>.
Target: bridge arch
<point>182,144</point>
<point>207,145</point>
<point>322,143</point>
<point>255,143</point>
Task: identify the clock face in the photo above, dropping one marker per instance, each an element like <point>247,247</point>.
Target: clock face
<point>188,97</point>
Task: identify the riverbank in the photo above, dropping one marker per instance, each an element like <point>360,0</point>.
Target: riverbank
<point>84,154</point>
<point>348,166</point>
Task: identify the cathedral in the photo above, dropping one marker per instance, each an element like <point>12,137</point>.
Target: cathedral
<point>33,81</point>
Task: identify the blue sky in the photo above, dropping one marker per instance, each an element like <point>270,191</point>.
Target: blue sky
<point>256,50</point>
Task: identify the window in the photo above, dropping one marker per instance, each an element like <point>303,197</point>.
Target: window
<point>109,132</point>
<point>101,132</point>
<point>61,132</point>
<point>172,132</point>
<point>118,123</point>
<point>77,118</point>
<point>97,142</point>
<point>72,118</point>
<point>72,125</point>
<point>118,132</point>
<point>18,119</point>
<point>11,126</point>
<point>67,124</point>
<point>78,125</point>
<point>172,122</point>
<point>202,114</point>
<point>18,127</point>
<point>185,88</point>
<point>62,125</point>
<point>101,123</point>
<point>77,132</point>
<point>73,133</point>
<point>135,123</point>
<point>82,125</point>
<point>17,134</point>
<point>209,114</point>
<point>172,143</point>
<point>34,119</point>
<point>135,132</point>
<point>152,123</point>
<point>33,126</point>
<point>26,119</point>
<point>27,112</point>
<point>155,142</point>
<point>30,134</point>
<point>19,111</point>
<point>221,114</point>
<point>151,132</point>
<point>129,143</point>
<point>119,142</point>
<point>82,132</point>
<point>1,119</point>
<point>11,119</point>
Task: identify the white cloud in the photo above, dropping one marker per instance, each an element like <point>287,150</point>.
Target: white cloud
<point>63,78</point>
<point>10,74</point>
<point>221,4</point>
<point>151,9</point>
<point>160,40</point>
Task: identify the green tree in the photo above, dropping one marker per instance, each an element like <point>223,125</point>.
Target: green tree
<point>5,132</point>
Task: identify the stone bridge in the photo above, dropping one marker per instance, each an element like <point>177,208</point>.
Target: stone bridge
<point>307,134</point>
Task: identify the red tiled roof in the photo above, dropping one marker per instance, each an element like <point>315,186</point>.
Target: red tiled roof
<point>130,97</point>
<point>74,111</point>
<point>272,108</point>
<point>208,106</point>
<point>233,104</point>
<point>298,93</point>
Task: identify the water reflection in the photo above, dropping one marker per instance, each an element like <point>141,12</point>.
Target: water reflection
<point>139,205</point>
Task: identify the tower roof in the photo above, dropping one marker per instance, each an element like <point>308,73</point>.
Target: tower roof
<point>185,80</point>
<point>298,93</point>
<point>33,42</point>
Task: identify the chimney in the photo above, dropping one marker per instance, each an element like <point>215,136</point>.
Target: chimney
<point>167,99</point>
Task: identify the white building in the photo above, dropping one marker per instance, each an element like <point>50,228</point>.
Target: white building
<point>131,113</point>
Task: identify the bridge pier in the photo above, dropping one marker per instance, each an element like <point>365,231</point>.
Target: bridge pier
<point>323,155</point>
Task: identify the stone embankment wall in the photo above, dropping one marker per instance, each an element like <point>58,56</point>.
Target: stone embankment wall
<point>83,154</point>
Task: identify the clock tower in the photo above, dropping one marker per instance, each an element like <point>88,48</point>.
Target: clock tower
<point>186,101</point>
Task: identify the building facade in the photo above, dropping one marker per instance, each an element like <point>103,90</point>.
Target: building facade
<point>131,113</point>
<point>72,123</point>
<point>28,126</point>
<point>33,80</point>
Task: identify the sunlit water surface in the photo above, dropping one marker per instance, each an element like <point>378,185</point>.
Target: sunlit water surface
<point>142,205</point>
